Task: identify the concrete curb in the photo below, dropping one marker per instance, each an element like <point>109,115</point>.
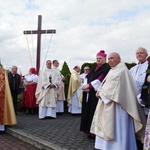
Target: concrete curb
<point>35,141</point>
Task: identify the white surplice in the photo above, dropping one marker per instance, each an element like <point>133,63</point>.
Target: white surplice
<point>46,112</point>
<point>74,102</point>
<point>2,127</point>
<point>139,73</point>
<point>75,108</point>
<point>60,106</point>
<point>124,132</point>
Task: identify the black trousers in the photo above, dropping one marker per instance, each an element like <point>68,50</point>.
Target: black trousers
<point>139,145</point>
<point>15,99</point>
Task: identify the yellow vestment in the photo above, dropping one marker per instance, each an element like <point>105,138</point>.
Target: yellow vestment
<point>74,84</point>
<point>7,113</point>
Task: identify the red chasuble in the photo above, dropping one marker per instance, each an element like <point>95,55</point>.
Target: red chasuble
<point>2,95</point>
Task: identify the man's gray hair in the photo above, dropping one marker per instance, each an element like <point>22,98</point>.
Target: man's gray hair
<point>14,67</point>
<point>143,49</point>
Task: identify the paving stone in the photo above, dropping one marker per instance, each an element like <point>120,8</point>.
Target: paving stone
<point>8,142</point>
<point>62,132</point>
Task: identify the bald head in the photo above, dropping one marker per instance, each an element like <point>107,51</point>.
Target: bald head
<point>141,54</point>
<point>114,59</point>
<point>77,69</point>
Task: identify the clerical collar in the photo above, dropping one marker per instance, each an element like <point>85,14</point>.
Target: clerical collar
<point>97,67</point>
<point>55,67</point>
<point>48,68</point>
<point>142,62</point>
<point>13,73</point>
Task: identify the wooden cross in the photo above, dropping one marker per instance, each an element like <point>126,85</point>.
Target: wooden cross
<point>39,31</point>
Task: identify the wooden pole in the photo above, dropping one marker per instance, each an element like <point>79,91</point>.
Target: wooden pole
<point>39,31</point>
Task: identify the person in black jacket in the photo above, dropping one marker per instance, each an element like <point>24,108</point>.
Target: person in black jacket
<point>14,82</point>
<point>89,100</point>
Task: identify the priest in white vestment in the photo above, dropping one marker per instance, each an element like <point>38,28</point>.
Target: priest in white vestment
<point>140,77</point>
<point>83,82</point>
<point>46,92</point>
<point>139,73</point>
<point>73,100</point>
<point>60,92</point>
<point>83,75</point>
<point>118,116</point>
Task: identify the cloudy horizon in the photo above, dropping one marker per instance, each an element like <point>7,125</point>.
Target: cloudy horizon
<point>83,27</point>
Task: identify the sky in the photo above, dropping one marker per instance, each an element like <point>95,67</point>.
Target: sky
<point>83,28</point>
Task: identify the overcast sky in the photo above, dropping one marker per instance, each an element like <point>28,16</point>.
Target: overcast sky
<point>83,27</point>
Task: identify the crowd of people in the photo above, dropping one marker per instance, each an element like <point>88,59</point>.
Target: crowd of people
<point>112,100</point>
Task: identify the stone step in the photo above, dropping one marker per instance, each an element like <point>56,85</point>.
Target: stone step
<point>35,141</point>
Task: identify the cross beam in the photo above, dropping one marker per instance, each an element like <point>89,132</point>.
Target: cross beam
<point>39,31</point>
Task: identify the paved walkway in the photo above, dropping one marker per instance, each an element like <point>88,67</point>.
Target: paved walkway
<point>9,142</point>
<point>51,134</point>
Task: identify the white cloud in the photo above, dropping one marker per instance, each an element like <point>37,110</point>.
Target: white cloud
<point>83,27</point>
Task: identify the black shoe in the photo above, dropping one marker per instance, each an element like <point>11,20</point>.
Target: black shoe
<point>91,137</point>
<point>42,118</point>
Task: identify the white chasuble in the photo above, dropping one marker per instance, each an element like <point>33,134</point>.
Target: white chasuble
<point>46,97</point>
<point>118,105</point>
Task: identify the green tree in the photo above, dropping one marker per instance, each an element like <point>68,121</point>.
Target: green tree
<point>65,71</point>
<point>130,65</point>
<point>90,65</point>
